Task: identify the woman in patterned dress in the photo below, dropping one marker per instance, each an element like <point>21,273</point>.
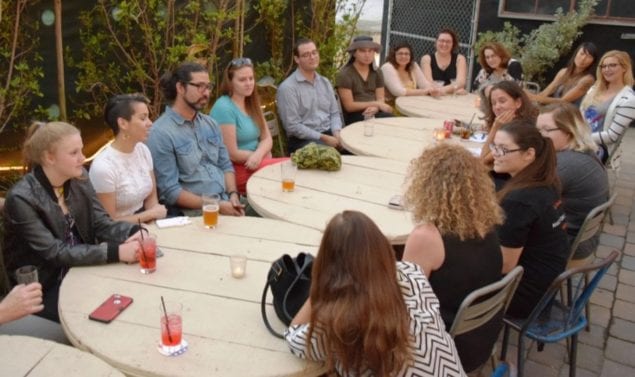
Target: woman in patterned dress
<point>368,315</point>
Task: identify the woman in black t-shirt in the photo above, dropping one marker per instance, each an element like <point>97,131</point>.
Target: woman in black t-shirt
<point>533,234</point>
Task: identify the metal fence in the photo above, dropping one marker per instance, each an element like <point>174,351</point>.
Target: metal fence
<point>418,22</point>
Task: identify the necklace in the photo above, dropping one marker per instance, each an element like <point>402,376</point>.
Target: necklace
<point>59,191</point>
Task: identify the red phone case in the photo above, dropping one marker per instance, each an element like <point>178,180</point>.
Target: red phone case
<point>110,308</point>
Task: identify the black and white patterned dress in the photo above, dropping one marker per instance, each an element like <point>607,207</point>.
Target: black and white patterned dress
<point>433,350</point>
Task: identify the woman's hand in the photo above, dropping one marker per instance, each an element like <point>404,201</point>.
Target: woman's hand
<point>253,161</point>
<point>385,107</point>
<point>158,211</point>
<point>504,118</point>
<point>129,251</point>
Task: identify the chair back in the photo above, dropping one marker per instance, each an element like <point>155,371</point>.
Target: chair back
<point>592,224</point>
<point>580,293</point>
<point>277,135</point>
<point>475,312</point>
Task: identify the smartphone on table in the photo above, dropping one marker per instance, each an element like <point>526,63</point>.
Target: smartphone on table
<point>110,309</point>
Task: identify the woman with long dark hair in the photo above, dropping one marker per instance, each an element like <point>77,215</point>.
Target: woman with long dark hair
<point>403,76</point>
<point>446,63</point>
<point>533,234</point>
<point>573,81</point>
<point>368,314</point>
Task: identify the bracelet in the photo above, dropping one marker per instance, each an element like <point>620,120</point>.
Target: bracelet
<point>229,194</point>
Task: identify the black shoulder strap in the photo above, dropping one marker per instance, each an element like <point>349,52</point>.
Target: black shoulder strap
<point>263,311</point>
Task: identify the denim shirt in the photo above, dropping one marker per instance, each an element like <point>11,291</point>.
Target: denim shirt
<point>188,155</point>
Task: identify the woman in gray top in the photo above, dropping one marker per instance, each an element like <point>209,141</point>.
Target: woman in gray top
<point>582,176</point>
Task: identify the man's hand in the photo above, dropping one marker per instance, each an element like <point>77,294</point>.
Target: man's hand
<point>331,141</point>
<point>21,301</point>
<point>233,207</point>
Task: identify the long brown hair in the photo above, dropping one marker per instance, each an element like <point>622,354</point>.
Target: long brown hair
<point>392,55</point>
<point>541,171</point>
<point>356,301</point>
<point>527,110</point>
<point>252,102</point>
<point>499,50</point>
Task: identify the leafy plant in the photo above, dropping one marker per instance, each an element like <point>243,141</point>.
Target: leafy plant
<point>128,45</point>
<point>20,64</point>
<point>544,46</point>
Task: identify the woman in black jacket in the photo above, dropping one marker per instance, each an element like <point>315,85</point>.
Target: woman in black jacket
<point>53,219</point>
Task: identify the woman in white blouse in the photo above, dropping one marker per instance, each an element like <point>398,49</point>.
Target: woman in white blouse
<point>122,173</point>
<point>403,76</point>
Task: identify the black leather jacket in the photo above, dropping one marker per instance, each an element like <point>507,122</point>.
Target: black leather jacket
<point>35,227</point>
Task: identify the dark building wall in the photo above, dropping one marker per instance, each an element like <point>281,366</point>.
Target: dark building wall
<point>606,37</point>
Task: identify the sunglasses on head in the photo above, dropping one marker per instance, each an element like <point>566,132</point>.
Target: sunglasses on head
<point>239,62</point>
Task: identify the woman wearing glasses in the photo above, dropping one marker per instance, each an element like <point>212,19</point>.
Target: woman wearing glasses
<point>609,106</point>
<point>123,173</point>
<point>455,243</point>
<point>497,65</point>
<point>533,234</point>
<point>245,131</point>
<point>403,76</point>
<point>582,175</point>
<point>506,102</point>
<point>446,64</point>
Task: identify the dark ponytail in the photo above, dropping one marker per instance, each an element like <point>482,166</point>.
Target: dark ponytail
<point>182,74</point>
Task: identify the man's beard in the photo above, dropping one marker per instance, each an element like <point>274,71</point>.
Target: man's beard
<point>194,105</point>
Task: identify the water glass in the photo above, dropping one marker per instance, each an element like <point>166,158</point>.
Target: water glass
<point>26,274</point>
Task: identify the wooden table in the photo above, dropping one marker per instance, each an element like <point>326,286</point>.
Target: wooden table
<point>364,184</point>
<point>400,138</point>
<point>34,357</point>
<point>221,315</point>
<point>460,107</point>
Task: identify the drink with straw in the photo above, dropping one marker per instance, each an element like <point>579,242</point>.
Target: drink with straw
<point>148,254</point>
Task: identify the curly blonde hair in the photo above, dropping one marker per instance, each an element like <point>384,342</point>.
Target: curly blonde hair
<point>450,188</point>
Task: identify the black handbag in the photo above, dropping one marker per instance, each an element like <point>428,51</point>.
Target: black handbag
<point>290,282</point>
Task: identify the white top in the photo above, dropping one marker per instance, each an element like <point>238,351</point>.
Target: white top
<point>433,350</point>
<point>393,83</point>
<point>128,175</point>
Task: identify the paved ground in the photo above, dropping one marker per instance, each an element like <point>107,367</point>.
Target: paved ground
<point>608,350</point>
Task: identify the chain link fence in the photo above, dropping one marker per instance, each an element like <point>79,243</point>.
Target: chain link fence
<point>418,22</point>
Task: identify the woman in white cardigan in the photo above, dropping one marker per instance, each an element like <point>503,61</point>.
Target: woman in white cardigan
<point>609,106</point>
<point>403,76</point>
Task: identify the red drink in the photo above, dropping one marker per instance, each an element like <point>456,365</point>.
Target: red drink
<point>148,255</point>
<point>176,330</point>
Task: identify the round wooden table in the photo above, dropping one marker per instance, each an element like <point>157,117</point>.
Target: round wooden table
<point>34,357</point>
<point>364,184</point>
<point>460,107</point>
<point>400,138</point>
<point>221,315</point>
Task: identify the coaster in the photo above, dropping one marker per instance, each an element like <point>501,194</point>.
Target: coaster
<point>174,350</point>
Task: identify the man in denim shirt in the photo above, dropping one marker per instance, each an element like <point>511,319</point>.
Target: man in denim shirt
<point>190,158</point>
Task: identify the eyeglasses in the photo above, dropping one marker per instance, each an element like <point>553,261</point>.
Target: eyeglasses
<point>406,53</point>
<point>239,62</point>
<point>202,86</point>
<point>502,151</point>
<point>610,65</point>
<point>547,130</point>
<point>309,54</point>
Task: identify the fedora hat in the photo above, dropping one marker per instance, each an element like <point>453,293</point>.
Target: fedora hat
<point>363,41</point>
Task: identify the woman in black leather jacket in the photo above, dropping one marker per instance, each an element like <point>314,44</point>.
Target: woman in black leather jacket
<point>53,219</point>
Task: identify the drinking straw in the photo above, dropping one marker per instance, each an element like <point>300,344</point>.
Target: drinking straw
<point>143,252</point>
<point>165,314</point>
<point>469,125</point>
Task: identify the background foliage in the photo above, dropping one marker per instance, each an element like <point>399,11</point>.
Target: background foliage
<point>542,47</point>
<point>20,64</point>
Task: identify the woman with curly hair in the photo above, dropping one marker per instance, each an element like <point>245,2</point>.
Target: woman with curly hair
<point>368,314</point>
<point>497,65</point>
<point>454,204</point>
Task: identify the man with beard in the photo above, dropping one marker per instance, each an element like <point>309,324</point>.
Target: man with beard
<point>190,158</point>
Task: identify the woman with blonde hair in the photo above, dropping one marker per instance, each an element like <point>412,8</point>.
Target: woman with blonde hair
<point>53,219</point>
<point>368,314</point>
<point>583,179</point>
<point>454,204</point>
<point>609,106</point>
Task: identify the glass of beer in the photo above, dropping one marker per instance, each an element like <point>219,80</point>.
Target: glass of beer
<point>172,342</point>
<point>148,254</point>
<point>288,171</point>
<point>211,208</point>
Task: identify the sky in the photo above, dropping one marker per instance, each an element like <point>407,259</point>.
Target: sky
<point>373,10</point>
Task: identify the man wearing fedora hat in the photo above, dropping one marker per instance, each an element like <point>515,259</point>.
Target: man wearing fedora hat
<point>360,86</point>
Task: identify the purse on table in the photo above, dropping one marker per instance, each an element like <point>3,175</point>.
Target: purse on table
<point>290,282</point>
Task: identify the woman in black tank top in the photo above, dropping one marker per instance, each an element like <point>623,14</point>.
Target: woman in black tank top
<point>446,64</point>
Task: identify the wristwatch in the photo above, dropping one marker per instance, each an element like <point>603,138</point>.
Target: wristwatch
<point>229,194</point>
